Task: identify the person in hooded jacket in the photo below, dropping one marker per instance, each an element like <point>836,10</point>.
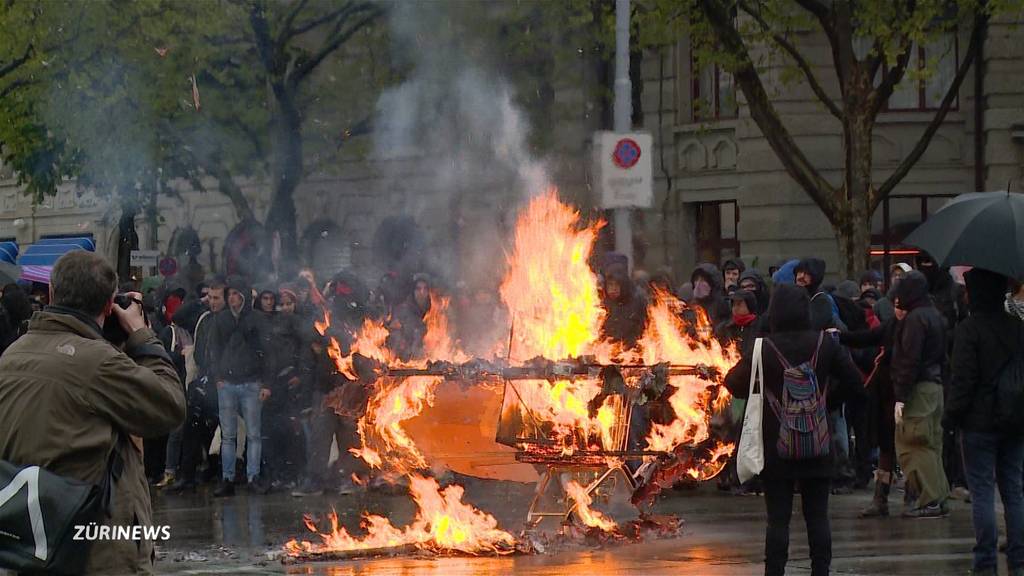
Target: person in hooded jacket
<point>745,321</point>
<point>752,281</point>
<point>985,342</point>
<point>408,322</point>
<point>237,367</point>
<point>918,359</point>
<point>709,294</point>
<point>809,274</point>
<point>731,270</point>
<point>879,414</point>
<point>797,342</point>
<point>626,310</point>
<point>286,340</point>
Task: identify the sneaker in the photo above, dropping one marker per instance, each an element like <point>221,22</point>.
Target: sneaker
<point>933,510</point>
<point>307,489</point>
<point>258,485</point>
<point>181,486</point>
<point>960,493</point>
<point>167,480</point>
<point>224,488</point>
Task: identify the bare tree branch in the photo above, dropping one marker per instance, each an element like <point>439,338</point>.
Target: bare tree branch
<point>305,67</point>
<point>891,78</point>
<point>797,57</point>
<point>919,149</point>
<point>304,27</point>
<point>20,83</point>
<point>763,112</point>
<point>16,63</point>
<point>289,18</point>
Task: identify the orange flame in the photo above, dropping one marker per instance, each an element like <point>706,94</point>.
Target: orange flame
<point>442,523</point>
<point>588,516</point>
<point>550,291</point>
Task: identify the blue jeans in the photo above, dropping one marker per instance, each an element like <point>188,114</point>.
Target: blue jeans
<point>995,459</point>
<point>232,398</point>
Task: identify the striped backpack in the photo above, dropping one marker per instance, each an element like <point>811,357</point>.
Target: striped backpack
<point>802,414</point>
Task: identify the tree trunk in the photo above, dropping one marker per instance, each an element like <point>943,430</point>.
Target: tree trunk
<point>288,162</point>
<point>853,227</point>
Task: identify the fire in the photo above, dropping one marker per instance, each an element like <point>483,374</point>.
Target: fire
<point>443,523</point>
<point>380,429</point>
<point>550,291</point>
<point>588,516</point>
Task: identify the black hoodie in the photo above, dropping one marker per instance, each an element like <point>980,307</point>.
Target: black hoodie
<point>627,314</point>
<point>789,314</point>
<point>236,352</point>
<point>983,344</point>
<point>715,304</point>
<point>823,316</point>
<point>762,294</point>
<point>919,350</point>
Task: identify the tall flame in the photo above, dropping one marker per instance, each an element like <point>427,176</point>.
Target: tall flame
<point>550,291</point>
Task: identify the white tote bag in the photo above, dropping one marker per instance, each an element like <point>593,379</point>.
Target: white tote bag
<point>750,455</point>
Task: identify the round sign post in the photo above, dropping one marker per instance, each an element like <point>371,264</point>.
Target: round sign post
<point>626,153</point>
<point>168,267</point>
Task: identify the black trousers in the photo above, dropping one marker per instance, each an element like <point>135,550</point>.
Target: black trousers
<point>201,421</point>
<point>778,497</point>
<point>283,445</point>
<point>326,426</point>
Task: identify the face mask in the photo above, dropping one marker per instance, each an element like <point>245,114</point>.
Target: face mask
<point>701,289</point>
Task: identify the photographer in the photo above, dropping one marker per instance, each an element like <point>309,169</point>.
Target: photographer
<point>69,398</point>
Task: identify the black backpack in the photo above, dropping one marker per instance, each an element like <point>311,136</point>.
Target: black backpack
<point>42,516</point>
<point>1008,392</point>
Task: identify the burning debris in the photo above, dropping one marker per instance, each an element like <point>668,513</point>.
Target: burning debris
<point>607,424</point>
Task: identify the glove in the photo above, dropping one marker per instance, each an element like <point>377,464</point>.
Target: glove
<point>899,413</point>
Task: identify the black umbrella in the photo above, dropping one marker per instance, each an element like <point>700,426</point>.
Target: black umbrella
<point>980,229</point>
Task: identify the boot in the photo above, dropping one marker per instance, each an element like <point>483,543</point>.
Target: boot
<point>880,503</point>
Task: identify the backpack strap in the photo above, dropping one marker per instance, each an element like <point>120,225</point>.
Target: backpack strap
<point>782,359</point>
<point>817,348</point>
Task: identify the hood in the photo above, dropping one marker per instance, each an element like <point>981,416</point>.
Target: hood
<point>870,277</point>
<point>848,289</point>
<point>711,273</point>
<point>749,298</point>
<point>734,263</point>
<point>790,309</point>
<point>912,292</point>
<point>986,290</point>
<point>816,268</point>
<point>346,293</point>
<point>620,275</point>
<point>762,288</point>
<point>786,273</point>
<point>239,283</point>
<point>939,279</point>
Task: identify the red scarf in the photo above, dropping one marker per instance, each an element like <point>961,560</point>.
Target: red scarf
<point>743,320</point>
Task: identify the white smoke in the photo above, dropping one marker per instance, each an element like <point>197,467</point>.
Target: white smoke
<point>455,118</point>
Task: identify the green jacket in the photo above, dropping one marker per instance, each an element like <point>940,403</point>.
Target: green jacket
<point>67,397</point>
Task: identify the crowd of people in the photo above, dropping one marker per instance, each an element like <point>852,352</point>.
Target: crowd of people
<point>907,381</point>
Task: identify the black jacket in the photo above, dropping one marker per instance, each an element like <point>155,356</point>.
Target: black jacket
<point>983,345</point>
<point>235,348</point>
<point>919,347</point>
<point>285,340</point>
<point>715,304</point>
<point>789,315</point>
<point>626,315</point>
<point>822,316</point>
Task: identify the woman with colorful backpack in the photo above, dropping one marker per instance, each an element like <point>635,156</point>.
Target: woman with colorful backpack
<point>802,373</point>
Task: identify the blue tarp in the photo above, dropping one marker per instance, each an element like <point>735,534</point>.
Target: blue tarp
<point>9,252</point>
<point>46,251</point>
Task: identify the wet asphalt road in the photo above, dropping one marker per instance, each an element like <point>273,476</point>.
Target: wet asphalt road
<point>723,535</point>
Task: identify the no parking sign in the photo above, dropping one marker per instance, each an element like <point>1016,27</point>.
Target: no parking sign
<point>624,169</point>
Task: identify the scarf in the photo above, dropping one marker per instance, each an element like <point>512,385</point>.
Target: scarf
<point>743,320</point>
<point>1014,307</point>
